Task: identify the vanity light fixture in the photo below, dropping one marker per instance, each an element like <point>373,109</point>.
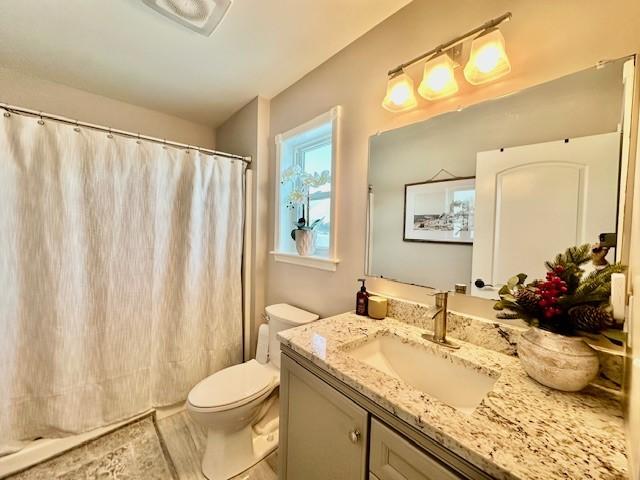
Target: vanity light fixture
<point>488,61</point>
<point>439,80</point>
<point>400,93</point>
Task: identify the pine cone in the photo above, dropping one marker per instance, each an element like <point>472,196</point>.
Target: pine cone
<point>590,318</point>
<point>527,299</point>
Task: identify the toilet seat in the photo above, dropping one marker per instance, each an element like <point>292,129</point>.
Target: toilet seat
<point>232,387</point>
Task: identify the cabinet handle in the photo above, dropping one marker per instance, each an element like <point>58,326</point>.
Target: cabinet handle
<point>354,436</point>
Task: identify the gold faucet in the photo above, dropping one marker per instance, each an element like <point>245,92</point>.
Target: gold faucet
<point>439,335</point>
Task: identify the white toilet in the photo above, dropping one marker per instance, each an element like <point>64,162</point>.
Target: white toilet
<point>238,405</point>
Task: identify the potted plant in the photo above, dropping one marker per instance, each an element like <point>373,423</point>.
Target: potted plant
<point>561,309</point>
<point>303,185</point>
<point>304,235</point>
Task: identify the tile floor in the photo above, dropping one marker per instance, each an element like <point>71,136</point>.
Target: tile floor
<point>186,442</point>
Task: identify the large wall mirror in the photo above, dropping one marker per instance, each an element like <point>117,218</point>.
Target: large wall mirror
<point>475,196</point>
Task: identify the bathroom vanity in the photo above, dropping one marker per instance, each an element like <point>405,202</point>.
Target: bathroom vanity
<point>366,399</point>
<point>468,199</point>
<point>349,441</point>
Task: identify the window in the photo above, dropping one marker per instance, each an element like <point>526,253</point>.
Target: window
<point>305,193</point>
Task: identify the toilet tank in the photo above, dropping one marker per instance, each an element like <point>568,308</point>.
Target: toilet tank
<point>282,317</point>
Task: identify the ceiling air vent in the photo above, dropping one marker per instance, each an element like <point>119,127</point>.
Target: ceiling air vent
<point>202,16</point>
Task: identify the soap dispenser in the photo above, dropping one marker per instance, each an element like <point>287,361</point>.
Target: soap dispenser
<point>362,299</point>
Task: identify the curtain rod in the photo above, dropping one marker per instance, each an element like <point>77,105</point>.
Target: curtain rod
<point>34,113</point>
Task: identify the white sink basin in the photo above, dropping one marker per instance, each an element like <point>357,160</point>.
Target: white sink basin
<point>456,385</point>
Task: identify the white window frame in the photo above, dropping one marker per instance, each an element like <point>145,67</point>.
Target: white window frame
<point>330,261</point>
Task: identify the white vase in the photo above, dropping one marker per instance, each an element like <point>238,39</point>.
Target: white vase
<point>557,361</point>
<point>305,242</point>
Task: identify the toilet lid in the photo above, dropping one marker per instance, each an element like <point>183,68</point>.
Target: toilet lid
<point>236,384</point>
<point>290,314</point>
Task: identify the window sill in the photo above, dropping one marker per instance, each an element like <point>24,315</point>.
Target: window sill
<point>321,263</point>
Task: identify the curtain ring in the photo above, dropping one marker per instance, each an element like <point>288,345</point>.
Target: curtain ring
<point>76,128</point>
<point>164,144</point>
<point>7,114</point>
<point>41,121</point>
<point>109,135</point>
<point>138,141</point>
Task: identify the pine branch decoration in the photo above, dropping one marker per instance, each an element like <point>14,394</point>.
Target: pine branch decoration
<point>571,262</point>
<point>598,279</point>
<point>547,303</point>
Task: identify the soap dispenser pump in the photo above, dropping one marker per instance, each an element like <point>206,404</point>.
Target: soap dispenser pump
<point>362,299</point>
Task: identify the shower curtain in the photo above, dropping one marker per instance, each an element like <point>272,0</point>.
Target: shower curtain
<point>120,275</point>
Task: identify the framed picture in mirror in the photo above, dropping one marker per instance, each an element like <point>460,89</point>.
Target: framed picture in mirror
<point>440,211</point>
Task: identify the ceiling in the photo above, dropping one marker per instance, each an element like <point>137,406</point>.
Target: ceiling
<point>124,50</point>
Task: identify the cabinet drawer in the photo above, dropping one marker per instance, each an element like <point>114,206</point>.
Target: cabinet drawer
<point>392,457</point>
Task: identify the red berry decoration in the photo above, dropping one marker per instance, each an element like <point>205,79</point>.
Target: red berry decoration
<point>567,300</point>
<point>550,291</point>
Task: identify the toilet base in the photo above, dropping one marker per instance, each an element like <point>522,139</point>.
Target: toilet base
<point>230,453</point>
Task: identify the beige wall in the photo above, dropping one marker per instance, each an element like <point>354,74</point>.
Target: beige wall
<point>545,40</point>
<point>246,132</point>
<point>38,94</point>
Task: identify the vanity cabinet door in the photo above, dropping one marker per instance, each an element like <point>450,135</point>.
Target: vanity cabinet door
<point>394,458</point>
<point>323,434</point>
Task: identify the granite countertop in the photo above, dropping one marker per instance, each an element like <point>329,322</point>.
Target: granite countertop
<point>521,430</point>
